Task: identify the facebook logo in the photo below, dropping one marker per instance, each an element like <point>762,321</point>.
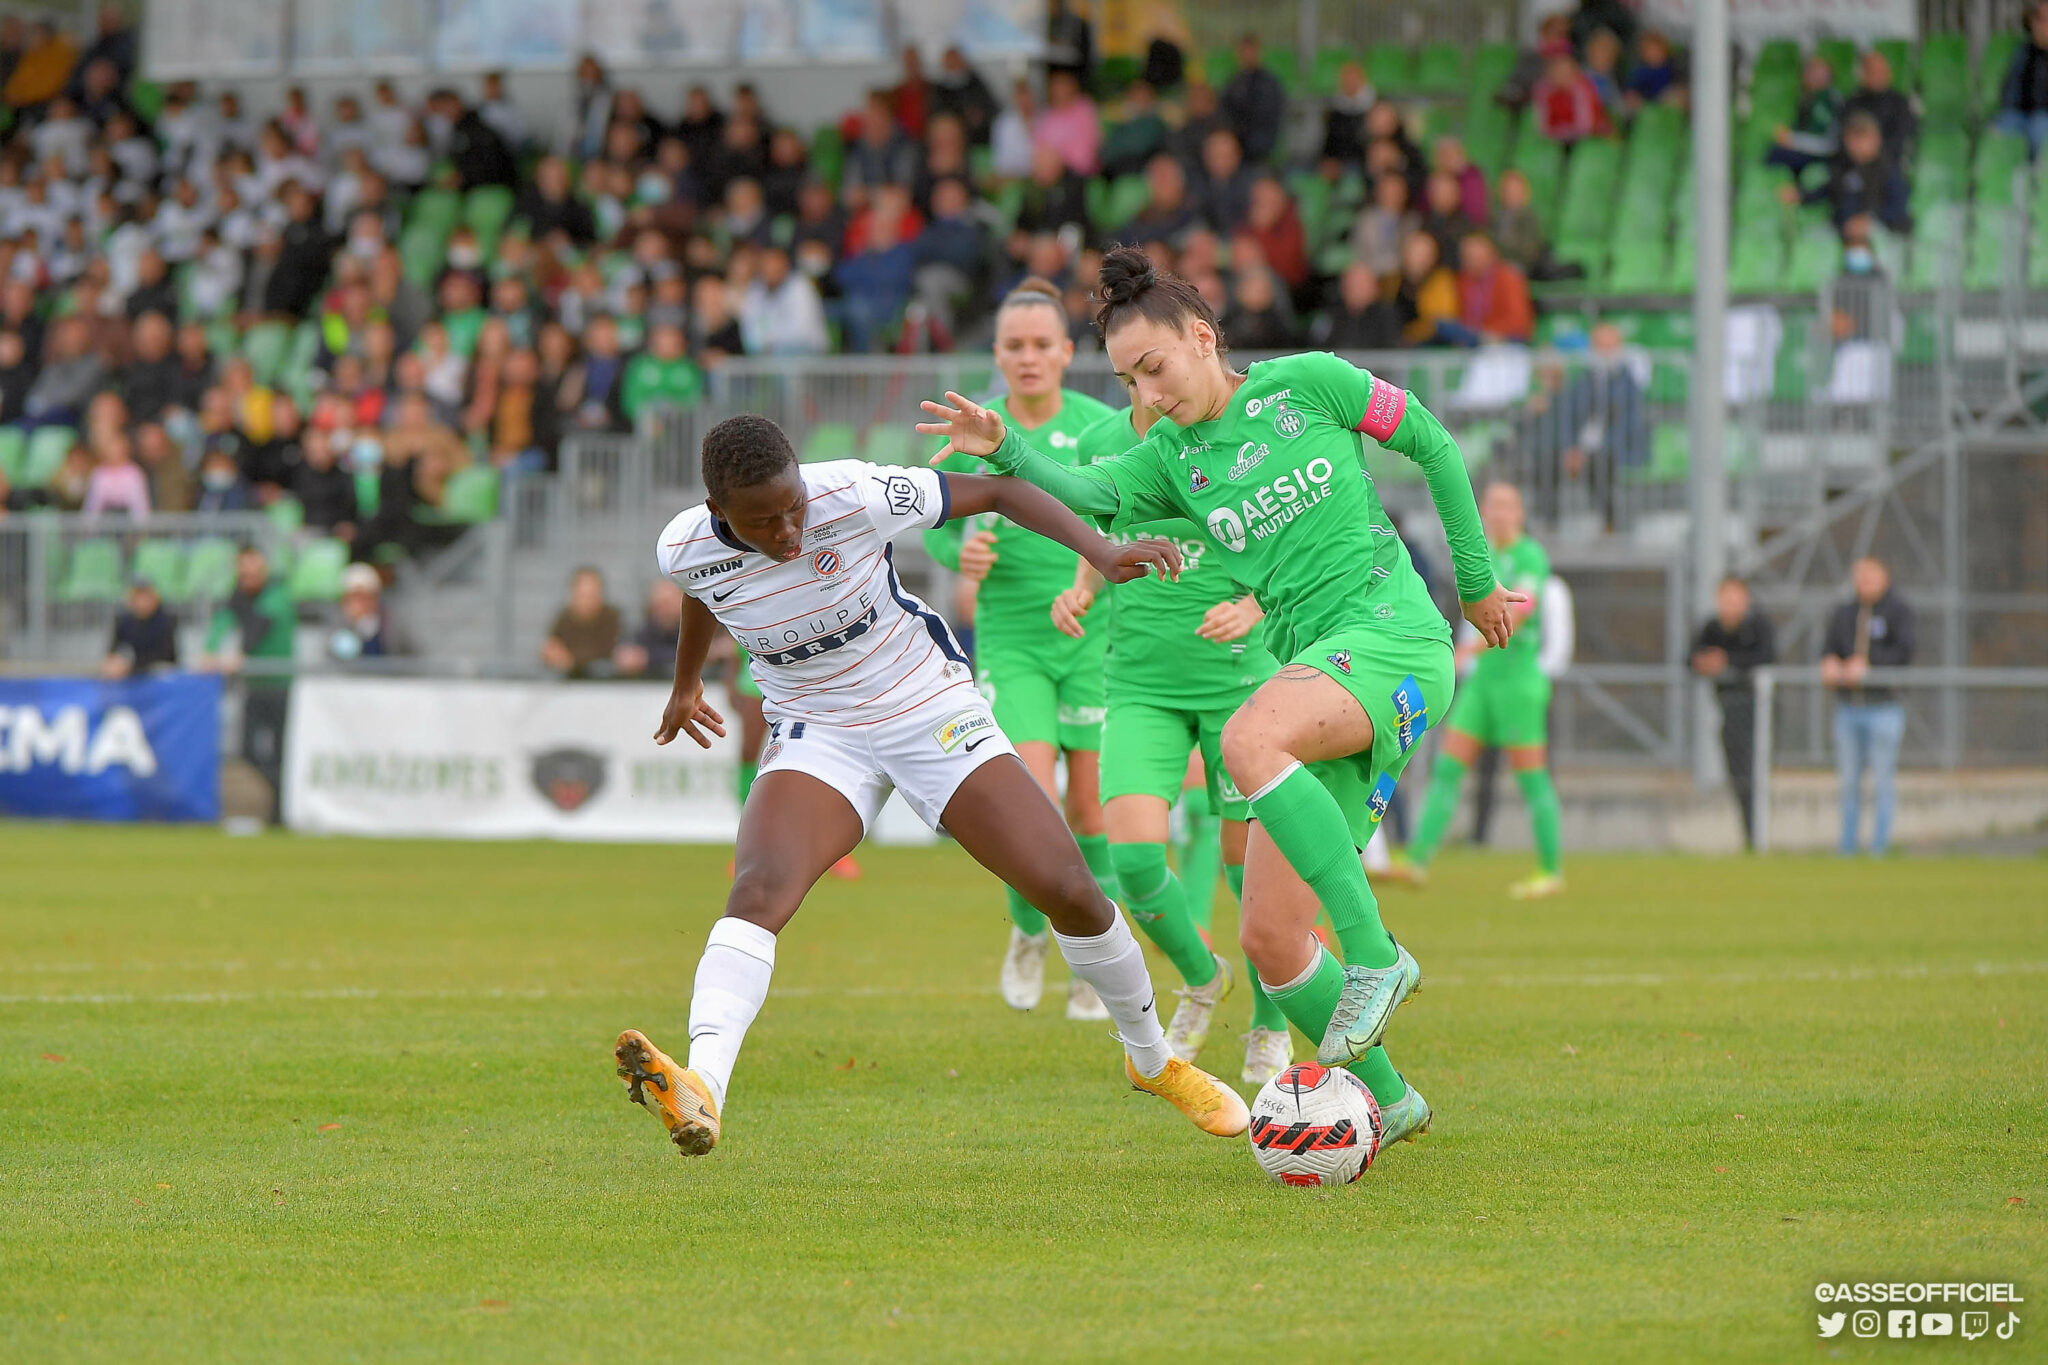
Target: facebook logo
<point>1901,1322</point>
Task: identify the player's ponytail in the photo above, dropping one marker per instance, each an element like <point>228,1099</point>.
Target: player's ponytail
<point>1130,286</point>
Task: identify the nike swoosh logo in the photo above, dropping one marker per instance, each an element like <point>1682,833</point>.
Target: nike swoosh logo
<point>974,744</point>
<point>721,596</point>
<point>1148,1007</point>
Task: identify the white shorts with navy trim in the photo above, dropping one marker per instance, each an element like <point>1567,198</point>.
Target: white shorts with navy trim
<point>925,752</point>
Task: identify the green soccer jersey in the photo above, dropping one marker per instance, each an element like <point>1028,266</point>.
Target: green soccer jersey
<point>1015,600</point>
<point>1154,654</point>
<point>1278,484</point>
<point>1522,567</point>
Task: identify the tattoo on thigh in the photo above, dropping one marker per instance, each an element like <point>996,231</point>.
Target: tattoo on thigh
<point>1298,673</point>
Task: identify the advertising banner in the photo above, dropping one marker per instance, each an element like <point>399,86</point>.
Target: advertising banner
<point>510,760</point>
<point>81,749</point>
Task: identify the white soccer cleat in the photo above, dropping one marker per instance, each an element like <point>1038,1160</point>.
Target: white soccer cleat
<point>1267,1053</point>
<point>1024,969</point>
<point>1082,1001</point>
<point>1190,1026</point>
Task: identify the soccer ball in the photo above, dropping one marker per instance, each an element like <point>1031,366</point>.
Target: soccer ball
<point>1315,1125</point>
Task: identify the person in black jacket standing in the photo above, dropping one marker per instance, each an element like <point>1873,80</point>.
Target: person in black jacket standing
<point>478,152</point>
<point>1874,629</point>
<point>1731,646</point>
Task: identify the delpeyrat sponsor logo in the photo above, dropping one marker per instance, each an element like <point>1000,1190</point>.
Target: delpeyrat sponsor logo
<point>1411,712</point>
<point>568,778</point>
<point>959,729</point>
<point>1382,796</point>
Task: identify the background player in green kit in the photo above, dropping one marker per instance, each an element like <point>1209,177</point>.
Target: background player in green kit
<point>1178,667</point>
<point>1270,464</point>
<point>1045,687</point>
<point>1503,701</point>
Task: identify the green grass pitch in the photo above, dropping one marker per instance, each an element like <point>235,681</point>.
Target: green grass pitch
<point>310,1100</point>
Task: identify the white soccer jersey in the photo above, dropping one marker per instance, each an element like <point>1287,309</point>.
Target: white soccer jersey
<point>835,638</point>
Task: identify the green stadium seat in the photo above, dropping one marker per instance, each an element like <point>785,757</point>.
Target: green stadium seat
<point>1441,120</point>
<point>264,346</point>
<point>1117,72</point>
<point>1793,364</point>
<point>1391,68</point>
<point>1670,455</point>
<point>316,573</point>
<point>1589,190</point>
<point>287,514</point>
<point>1778,57</point>
<point>1899,53</point>
<point>1492,64</point>
<point>471,496</point>
<point>47,447</point>
<point>369,492</point>
<point>296,376</point>
<point>828,154</point>
<point>485,212</point>
<point>1009,202</point>
<point>1815,258</point>
<point>1312,202</point>
<point>437,209</point>
<point>1285,64</point>
<point>1839,53</point>
<point>1944,78</point>
<point>828,441</point>
<point>210,569</point>
<point>1756,264</point>
<point>1998,50</point>
<point>92,573</point>
<point>146,98</point>
<point>13,454</point>
<point>1095,194</point>
<point>422,250</point>
<point>162,562</point>
<point>1586,253</point>
<point>890,443</point>
<point>1441,69</point>
<point>1640,267</point>
<point>2000,168</point>
<point>1219,64</point>
<point>1329,61</point>
<point>1489,131</point>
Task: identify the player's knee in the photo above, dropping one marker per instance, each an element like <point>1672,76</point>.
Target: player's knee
<point>1140,868</point>
<point>1248,751</point>
<point>763,896</point>
<point>1069,897</point>
<point>1271,946</point>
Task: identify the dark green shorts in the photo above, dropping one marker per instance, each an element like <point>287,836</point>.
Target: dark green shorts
<point>1508,710</point>
<point>1405,684</point>
<point>1047,697</point>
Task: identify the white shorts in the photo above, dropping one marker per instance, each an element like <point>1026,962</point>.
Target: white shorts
<point>925,753</point>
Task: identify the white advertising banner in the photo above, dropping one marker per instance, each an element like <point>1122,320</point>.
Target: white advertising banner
<point>1751,20</point>
<point>510,760</point>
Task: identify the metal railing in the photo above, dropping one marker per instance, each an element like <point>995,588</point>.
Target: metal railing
<point>2004,726</point>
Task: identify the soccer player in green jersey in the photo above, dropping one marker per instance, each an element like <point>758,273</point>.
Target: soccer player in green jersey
<point>1269,463</point>
<point>1045,687</point>
<point>1178,667</point>
<point>1504,701</point>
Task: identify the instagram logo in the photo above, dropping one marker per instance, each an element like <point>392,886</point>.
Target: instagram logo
<point>1865,1323</point>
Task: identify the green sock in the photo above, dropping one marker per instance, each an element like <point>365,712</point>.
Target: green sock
<point>745,779</point>
<point>1265,1014</point>
<point>1200,860</point>
<point>1308,827</point>
<point>1545,817</point>
<point>1309,1004</point>
<point>1157,902</point>
<point>1095,852</point>
<point>1026,916</point>
<point>1445,778</point>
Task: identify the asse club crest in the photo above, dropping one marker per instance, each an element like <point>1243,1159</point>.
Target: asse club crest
<point>1287,421</point>
<point>568,778</point>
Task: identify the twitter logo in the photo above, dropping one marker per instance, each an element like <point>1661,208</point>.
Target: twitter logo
<point>1831,1323</point>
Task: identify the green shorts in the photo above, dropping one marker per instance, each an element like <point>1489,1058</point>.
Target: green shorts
<point>1145,752</point>
<point>1045,696</point>
<point>1404,684</point>
<point>1504,710</point>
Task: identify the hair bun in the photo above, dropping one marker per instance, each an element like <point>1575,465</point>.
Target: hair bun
<point>1126,273</point>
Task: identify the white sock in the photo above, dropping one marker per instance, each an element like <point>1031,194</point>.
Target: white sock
<point>1114,965</point>
<point>1379,853</point>
<point>732,981</point>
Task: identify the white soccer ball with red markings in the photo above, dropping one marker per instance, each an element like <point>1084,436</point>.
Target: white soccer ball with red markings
<point>1315,1125</point>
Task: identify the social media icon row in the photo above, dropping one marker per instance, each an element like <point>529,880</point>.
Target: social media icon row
<point>1908,1322</point>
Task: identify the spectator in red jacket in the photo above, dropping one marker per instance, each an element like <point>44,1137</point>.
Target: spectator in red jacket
<point>1493,297</point>
<point>1275,225</point>
<point>1566,105</point>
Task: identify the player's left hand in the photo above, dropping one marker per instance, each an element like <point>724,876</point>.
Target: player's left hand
<point>686,710</point>
<point>1494,615</point>
<point>1138,558</point>
<point>969,428</point>
<point>1068,609</point>
<point>1228,621</point>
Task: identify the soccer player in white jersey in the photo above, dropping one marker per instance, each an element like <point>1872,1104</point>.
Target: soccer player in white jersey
<point>866,690</point>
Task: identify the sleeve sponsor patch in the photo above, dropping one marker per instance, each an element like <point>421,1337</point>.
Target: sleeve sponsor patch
<point>904,495</point>
<point>1383,410</point>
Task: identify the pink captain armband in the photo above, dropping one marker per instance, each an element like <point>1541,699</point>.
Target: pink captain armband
<point>1383,410</point>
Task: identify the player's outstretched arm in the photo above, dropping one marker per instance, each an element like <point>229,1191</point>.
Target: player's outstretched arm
<point>1487,605</point>
<point>972,429</point>
<point>687,710</point>
<point>1036,509</point>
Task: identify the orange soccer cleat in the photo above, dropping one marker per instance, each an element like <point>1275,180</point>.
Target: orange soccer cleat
<point>674,1094</point>
<point>1210,1105</point>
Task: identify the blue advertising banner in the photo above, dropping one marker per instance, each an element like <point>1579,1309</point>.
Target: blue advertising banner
<point>79,749</point>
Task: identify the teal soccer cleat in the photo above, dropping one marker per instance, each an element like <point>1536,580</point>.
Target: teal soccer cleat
<point>1368,1002</point>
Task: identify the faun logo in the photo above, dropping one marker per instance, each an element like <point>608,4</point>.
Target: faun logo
<point>568,778</point>
<point>1226,529</point>
<point>713,570</point>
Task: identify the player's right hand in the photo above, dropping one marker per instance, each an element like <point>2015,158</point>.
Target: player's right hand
<point>977,554</point>
<point>1137,558</point>
<point>968,427</point>
<point>1068,609</point>
<point>686,710</point>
